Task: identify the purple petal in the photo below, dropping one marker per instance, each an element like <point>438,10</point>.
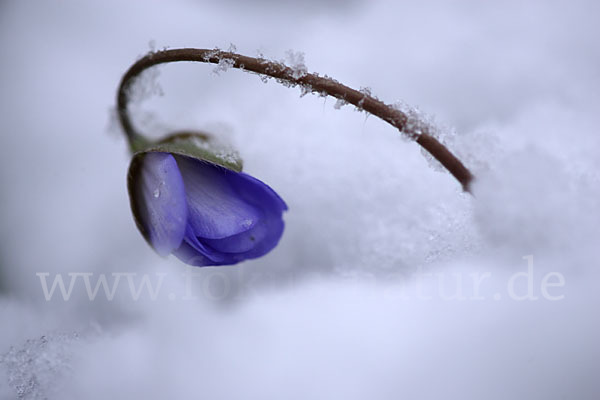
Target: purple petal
<point>190,256</point>
<point>194,252</point>
<point>272,226</point>
<point>257,192</point>
<point>201,248</point>
<point>264,236</point>
<point>253,243</point>
<point>242,242</point>
<point>215,209</point>
<point>160,199</point>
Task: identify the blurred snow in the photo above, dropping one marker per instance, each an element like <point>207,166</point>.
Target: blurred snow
<point>36,370</point>
<point>370,293</point>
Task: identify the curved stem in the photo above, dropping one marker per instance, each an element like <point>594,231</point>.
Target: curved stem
<point>309,81</point>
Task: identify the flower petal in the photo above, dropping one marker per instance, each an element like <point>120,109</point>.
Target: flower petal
<point>271,229</point>
<point>194,252</point>
<point>253,243</point>
<point>242,242</point>
<point>190,256</point>
<point>215,209</point>
<point>262,237</point>
<point>159,196</point>
<point>257,192</point>
<point>208,252</point>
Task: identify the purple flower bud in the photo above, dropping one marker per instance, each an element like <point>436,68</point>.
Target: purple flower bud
<point>203,213</point>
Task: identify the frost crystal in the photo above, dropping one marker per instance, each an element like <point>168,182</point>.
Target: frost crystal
<point>211,54</point>
<point>295,60</point>
<point>145,86</point>
<point>339,104</point>
<point>228,156</point>
<point>418,123</point>
<point>304,90</point>
<point>286,83</point>
<point>113,126</point>
<point>223,65</point>
<point>232,48</point>
<point>366,91</point>
<point>220,149</point>
<point>35,369</point>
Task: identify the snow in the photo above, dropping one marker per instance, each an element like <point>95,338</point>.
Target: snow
<point>389,282</point>
<point>339,103</point>
<point>36,369</point>
<point>366,91</point>
<point>295,60</point>
<point>146,85</point>
<point>223,65</point>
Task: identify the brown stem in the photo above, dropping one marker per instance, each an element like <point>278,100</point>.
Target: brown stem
<point>309,81</point>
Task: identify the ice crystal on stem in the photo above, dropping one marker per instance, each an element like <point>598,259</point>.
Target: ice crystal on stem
<point>223,65</point>
<point>295,60</point>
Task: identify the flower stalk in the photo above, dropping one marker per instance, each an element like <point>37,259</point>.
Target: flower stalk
<point>310,82</point>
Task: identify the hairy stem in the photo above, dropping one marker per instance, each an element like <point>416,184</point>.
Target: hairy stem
<point>309,81</point>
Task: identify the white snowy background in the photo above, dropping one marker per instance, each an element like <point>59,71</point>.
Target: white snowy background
<point>370,292</point>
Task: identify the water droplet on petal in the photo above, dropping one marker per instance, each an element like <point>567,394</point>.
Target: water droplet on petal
<point>156,193</point>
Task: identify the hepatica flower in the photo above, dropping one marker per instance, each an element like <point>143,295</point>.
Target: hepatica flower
<point>189,202</point>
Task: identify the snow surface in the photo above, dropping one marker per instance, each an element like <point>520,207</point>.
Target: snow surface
<point>371,292</point>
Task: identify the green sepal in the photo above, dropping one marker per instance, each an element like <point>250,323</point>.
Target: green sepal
<point>198,145</point>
